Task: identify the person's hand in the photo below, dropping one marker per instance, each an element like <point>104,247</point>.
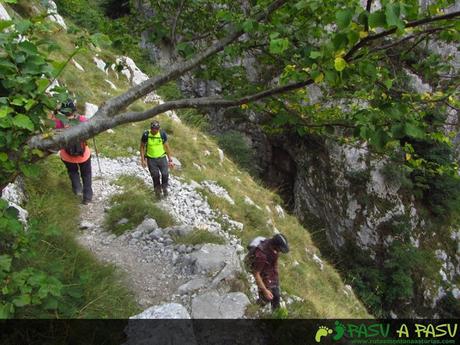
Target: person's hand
<point>143,163</point>
<point>268,294</point>
<point>170,163</point>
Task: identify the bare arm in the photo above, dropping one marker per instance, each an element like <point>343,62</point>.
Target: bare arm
<point>142,151</point>
<point>267,293</point>
<point>168,152</point>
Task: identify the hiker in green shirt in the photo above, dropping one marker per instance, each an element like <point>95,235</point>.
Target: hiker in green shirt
<point>156,155</point>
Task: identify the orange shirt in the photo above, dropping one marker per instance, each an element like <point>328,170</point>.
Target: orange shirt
<point>64,155</point>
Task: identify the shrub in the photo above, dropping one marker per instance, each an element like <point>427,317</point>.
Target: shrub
<point>135,204</point>
<point>235,145</point>
<point>199,236</point>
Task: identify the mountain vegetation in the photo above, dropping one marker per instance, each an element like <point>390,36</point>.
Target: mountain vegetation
<point>354,53</point>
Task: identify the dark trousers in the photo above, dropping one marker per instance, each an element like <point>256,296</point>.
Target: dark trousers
<point>275,302</point>
<point>78,173</point>
<point>157,166</point>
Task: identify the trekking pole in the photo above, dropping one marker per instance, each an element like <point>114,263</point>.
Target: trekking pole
<point>97,156</point>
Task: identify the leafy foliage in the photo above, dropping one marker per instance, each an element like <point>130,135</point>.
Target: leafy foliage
<point>387,282</point>
<point>26,73</point>
<point>94,17</point>
<point>27,286</point>
<point>233,143</point>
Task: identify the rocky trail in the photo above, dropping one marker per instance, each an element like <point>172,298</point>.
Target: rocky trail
<point>168,279</point>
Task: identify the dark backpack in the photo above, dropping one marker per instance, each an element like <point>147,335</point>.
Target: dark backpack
<point>250,256</point>
<point>75,149</point>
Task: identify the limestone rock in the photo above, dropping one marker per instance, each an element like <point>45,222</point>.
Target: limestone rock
<point>211,305</point>
<point>164,311</point>
<point>162,331</point>
<point>212,258</point>
<point>192,285</point>
<point>147,225</point>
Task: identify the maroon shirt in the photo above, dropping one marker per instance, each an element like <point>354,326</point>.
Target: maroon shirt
<point>266,263</point>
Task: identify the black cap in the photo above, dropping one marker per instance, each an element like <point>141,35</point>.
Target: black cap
<point>280,242</point>
<point>155,125</point>
<point>68,107</point>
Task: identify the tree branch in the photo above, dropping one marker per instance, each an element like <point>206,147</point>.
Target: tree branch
<point>368,9</point>
<point>99,124</point>
<point>390,45</point>
<point>116,104</point>
<point>105,119</point>
<point>174,24</point>
<point>412,24</point>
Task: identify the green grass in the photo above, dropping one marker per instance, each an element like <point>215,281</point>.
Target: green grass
<point>322,290</point>
<point>135,203</point>
<point>199,236</point>
<point>91,289</point>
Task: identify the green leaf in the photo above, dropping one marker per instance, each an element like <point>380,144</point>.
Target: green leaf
<point>377,19</point>
<point>368,69</point>
<point>4,111</point>
<point>414,131</point>
<point>278,45</point>
<point>392,13</point>
<point>5,24</point>
<point>28,47</point>
<point>3,157</point>
<point>50,303</point>
<point>249,25</point>
<point>339,64</point>
<point>29,104</point>
<point>23,121</point>
<point>398,131</point>
<point>388,83</point>
<point>100,40</point>
<point>18,101</point>
<point>340,40</point>
<point>6,310</point>
<point>29,170</point>
<point>343,18</point>
<point>42,85</point>
<point>331,77</point>
<point>5,263</point>
<point>224,15</point>
<point>353,37</point>
<point>22,300</point>
<point>315,54</point>
<point>22,26</point>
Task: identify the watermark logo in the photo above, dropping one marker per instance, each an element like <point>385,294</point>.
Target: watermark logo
<point>386,333</point>
<point>323,331</point>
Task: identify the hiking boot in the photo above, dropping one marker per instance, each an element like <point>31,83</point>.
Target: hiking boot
<point>165,193</point>
<point>86,201</point>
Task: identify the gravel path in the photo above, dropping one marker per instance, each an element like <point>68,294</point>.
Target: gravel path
<point>149,274</point>
<point>152,269</point>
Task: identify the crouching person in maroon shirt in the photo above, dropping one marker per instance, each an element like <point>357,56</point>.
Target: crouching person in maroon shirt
<point>265,268</point>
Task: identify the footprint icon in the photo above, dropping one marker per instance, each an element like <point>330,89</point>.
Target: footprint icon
<point>339,330</point>
<point>322,332</point>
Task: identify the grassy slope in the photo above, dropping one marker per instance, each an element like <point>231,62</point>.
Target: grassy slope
<point>322,290</point>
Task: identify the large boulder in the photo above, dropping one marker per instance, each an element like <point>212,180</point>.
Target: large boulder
<point>214,258</point>
<point>212,305</point>
<point>164,311</point>
<point>142,330</point>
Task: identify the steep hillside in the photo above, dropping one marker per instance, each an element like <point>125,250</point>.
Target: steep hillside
<point>236,208</point>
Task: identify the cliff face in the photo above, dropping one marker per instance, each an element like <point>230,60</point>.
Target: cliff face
<point>365,212</point>
<point>375,226</point>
